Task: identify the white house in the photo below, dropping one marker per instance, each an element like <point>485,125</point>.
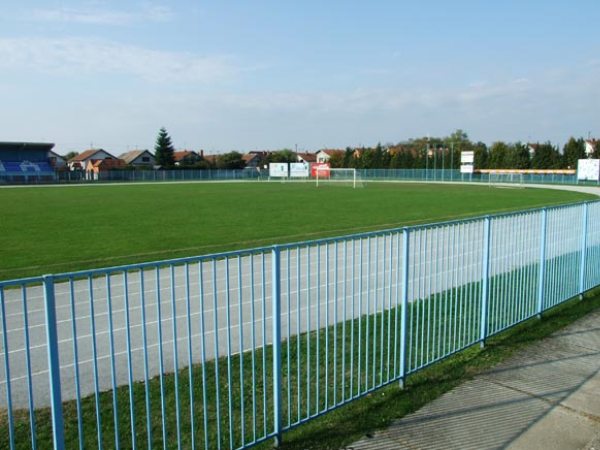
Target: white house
<point>56,161</point>
<point>138,158</point>
<point>80,161</point>
<point>590,147</point>
<point>324,156</point>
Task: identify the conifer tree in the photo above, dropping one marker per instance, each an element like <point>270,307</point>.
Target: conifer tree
<point>164,149</point>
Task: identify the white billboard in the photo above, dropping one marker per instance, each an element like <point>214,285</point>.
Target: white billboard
<point>466,168</point>
<point>299,170</point>
<point>467,157</point>
<point>278,170</point>
<point>588,169</point>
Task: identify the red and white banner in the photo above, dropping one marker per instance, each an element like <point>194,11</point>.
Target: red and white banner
<point>322,168</point>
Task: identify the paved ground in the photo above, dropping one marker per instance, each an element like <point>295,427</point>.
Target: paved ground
<point>545,397</point>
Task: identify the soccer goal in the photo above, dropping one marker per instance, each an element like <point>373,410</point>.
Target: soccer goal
<point>338,177</point>
<point>501,179</point>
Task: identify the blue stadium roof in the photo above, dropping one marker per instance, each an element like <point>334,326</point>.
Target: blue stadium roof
<point>25,146</point>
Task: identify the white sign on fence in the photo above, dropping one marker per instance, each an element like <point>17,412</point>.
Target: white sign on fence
<point>466,168</point>
<point>588,169</point>
<point>278,170</point>
<point>467,157</point>
<point>299,170</point>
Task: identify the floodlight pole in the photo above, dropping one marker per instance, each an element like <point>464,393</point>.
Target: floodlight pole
<point>427,162</point>
<point>452,161</point>
<point>443,162</point>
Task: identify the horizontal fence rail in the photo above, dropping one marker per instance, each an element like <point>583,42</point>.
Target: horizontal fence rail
<point>248,174</point>
<point>232,349</point>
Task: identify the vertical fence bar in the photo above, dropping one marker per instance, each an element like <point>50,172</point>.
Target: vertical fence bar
<point>9,409</point>
<point>485,280</point>
<point>28,364</point>
<point>175,355</point>
<point>404,313</point>
<point>76,363</point>
<point>58,438</point>
<point>95,362</point>
<point>584,233</point>
<point>129,361</point>
<point>276,305</point>
<point>541,280</point>
<point>113,367</point>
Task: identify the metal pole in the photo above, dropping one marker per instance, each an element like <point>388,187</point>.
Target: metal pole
<point>452,161</point>
<point>583,251</point>
<point>58,438</point>
<point>277,378</point>
<point>485,280</point>
<point>544,226</point>
<point>404,312</point>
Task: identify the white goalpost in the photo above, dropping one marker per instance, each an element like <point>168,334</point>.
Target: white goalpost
<point>503,179</point>
<point>338,177</point>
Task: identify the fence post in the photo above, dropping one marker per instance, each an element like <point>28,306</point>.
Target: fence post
<point>583,250</point>
<point>53,364</point>
<point>277,379</point>
<point>542,277</point>
<point>485,275</point>
<point>404,312</point>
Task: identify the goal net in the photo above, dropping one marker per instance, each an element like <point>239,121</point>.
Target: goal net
<point>338,177</point>
<point>500,179</point>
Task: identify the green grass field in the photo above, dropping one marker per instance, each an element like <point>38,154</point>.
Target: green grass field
<point>57,229</point>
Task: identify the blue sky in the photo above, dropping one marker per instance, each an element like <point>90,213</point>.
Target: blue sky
<point>272,74</point>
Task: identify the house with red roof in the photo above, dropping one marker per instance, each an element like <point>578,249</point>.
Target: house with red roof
<point>80,161</point>
<point>307,158</point>
<point>186,157</point>
<point>254,159</point>
<point>325,155</point>
<point>94,168</point>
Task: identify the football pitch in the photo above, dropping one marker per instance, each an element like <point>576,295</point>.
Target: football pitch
<point>58,229</point>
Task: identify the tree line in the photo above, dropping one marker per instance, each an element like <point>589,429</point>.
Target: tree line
<point>445,153</point>
<point>419,153</point>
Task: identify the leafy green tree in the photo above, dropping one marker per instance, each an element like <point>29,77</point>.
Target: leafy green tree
<point>573,150</point>
<point>596,152</point>
<point>336,160</point>
<point>163,150</point>
<point>349,157</point>
<point>519,156</point>
<point>499,156</point>
<point>546,156</point>
<point>481,156</point>
<point>70,155</point>
<point>285,155</point>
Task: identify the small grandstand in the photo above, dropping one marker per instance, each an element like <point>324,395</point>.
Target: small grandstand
<point>26,162</point>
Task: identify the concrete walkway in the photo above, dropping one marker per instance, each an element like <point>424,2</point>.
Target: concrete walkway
<point>545,397</point>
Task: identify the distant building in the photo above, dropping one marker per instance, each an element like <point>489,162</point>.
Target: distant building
<point>56,161</point>
<point>95,168</point>
<point>138,158</point>
<point>324,156</point>
<point>590,147</point>
<point>23,162</point>
<point>186,157</point>
<point>254,159</point>
<point>80,161</point>
<point>307,157</point>
<point>532,149</point>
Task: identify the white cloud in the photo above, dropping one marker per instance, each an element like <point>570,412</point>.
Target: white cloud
<point>78,56</point>
<point>97,16</point>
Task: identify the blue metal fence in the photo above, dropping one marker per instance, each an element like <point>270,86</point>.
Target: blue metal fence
<point>232,349</point>
<point>426,175</point>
